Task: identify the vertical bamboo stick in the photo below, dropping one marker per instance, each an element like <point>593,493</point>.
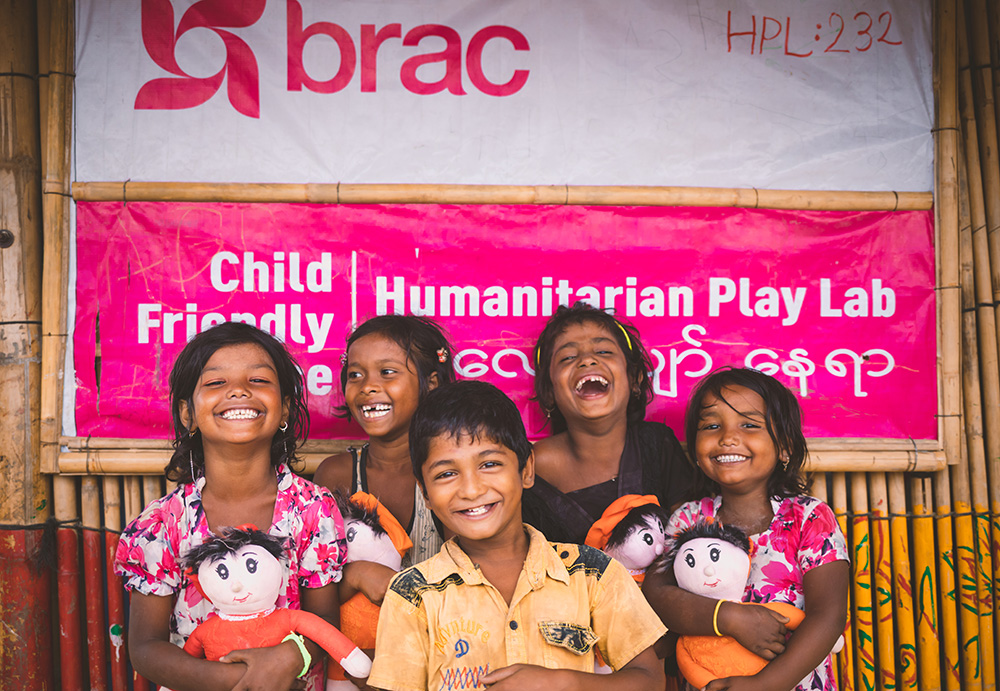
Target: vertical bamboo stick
<point>817,486</point>
<point>845,658</point>
<point>115,592</point>
<point>925,591</point>
<point>93,578</point>
<point>966,570</point>
<point>881,568</point>
<point>862,558</point>
<point>133,497</point>
<point>71,653</point>
<point>56,217</point>
<point>152,488</point>
<point>946,573</point>
<point>908,661</point>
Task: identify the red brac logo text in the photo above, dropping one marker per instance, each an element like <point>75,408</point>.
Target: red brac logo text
<point>241,74</point>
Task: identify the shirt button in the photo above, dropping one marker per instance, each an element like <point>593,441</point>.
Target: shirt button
<point>513,626</point>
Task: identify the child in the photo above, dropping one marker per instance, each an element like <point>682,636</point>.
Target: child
<point>238,408</point>
<point>391,362</point>
<point>592,380</point>
<point>499,605</point>
<point>745,435</point>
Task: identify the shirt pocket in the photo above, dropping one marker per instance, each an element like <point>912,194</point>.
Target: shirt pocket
<point>569,646</point>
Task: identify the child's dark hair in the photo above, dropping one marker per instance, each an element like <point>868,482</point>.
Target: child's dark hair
<point>782,416</point>
<point>637,361</point>
<point>475,408</point>
<point>421,339</point>
<point>230,541</point>
<point>356,511</point>
<point>701,529</point>
<point>634,519</point>
<point>188,454</point>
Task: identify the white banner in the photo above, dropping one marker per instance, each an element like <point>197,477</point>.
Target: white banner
<point>826,94</point>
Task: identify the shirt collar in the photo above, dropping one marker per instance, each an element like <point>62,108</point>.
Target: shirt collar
<point>542,560</point>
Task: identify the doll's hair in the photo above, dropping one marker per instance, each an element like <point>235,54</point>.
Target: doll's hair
<point>470,407</point>
<point>355,511</point>
<point>188,452</point>
<point>637,362</point>
<point>701,529</point>
<point>783,419</point>
<point>423,341</point>
<point>230,541</point>
<point>632,520</point>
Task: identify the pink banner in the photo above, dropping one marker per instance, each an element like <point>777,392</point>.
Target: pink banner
<point>838,305</point>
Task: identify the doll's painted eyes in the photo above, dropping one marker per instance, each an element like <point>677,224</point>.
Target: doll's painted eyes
<point>689,560</point>
<point>715,553</point>
<point>251,566</point>
<point>647,538</point>
<point>223,571</point>
<point>351,533</point>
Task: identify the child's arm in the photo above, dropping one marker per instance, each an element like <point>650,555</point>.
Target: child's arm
<point>825,590</point>
<point>758,629</point>
<point>644,671</point>
<point>366,577</point>
<point>154,657</point>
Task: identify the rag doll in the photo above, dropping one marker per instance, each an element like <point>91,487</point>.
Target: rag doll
<point>240,573</point>
<point>632,531</point>
<point>373,534</point>
<point>713,560</point>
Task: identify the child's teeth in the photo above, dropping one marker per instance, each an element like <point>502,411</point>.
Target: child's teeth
<point>591,377</point>
<point>375,410</point>
<point>729,459</point>
<point>241,414</point>
<point>476,511</point>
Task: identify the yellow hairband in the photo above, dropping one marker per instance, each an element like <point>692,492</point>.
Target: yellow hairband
<point>628,342</point>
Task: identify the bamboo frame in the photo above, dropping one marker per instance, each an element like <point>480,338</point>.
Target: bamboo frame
<point>55,223</point>
<point>341,193</point>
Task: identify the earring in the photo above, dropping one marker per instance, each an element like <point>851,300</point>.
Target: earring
<point>283,427</point>
<point>784,463</point>
<point>284,437</point>
<point>191,461</point>
<point>193,432</point>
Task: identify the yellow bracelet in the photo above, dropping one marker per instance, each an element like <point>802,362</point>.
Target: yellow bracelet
<point>306,657</point>
<point>715,618</point>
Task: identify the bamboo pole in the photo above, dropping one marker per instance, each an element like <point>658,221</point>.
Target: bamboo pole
<point>133,498</point>
<point>925,591</point>
<point>845,658</point>
<point>93,578</point>
<point>71,653</point>
<point>966,573</point>
<point>339,193</point>
<point>862,558</point>
<point>115,592</point>
<point>56,218</point>
<point>152,489</point>
<point>151,462</point>
<point>948,595</point>
<point>908,661</point>
<point>881,570</point>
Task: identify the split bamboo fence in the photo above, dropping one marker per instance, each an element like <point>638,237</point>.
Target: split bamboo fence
<point>923,534</point>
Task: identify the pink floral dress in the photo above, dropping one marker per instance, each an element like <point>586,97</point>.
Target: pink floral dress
<point>803,535</point>
<point>151,546</point>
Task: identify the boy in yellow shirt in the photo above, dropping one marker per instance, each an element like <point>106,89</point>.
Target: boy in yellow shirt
<point>499,605</point>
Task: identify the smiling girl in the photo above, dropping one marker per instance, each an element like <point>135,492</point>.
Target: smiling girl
<point>745,436</point>
<point>391,362</point>
<point>239,412</point>
<point>592,381</point>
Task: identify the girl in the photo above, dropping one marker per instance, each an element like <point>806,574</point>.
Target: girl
<point>745,436</point>
<point>391,362</point>
<point>238,408</point>
<point>592,381</point>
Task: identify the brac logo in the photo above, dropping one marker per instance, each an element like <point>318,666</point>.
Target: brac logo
<point>184,90</point>
<point>241,73</point>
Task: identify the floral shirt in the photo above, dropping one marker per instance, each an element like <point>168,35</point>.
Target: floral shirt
<point>149,552</point>
<point>803,535</point>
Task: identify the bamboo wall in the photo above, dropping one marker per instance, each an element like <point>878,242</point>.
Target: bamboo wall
<point>924,544</point>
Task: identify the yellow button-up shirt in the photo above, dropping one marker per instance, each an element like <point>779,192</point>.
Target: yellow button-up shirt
<point>444,626</point>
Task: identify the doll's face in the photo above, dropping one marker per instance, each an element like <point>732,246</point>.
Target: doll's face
<point>712,567</point>
<point>244,582</point>
<point>364,545</point>
<point>644,543</point>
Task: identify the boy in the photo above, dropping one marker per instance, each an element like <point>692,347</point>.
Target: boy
<point>499,605</point>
